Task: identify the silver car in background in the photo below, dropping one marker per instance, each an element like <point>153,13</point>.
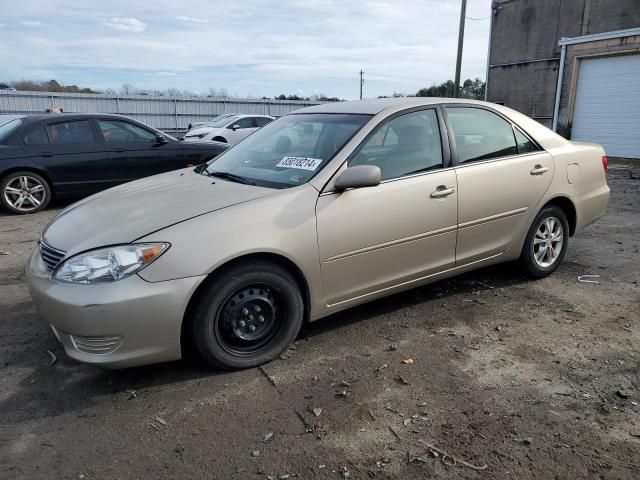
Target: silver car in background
<point>323,209</point>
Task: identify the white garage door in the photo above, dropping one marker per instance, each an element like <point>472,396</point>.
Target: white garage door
<point>607,108</point>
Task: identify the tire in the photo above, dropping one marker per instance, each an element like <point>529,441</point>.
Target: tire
<point>24,192</point>
<point>248,315</point>
<point>544,249</point>
<point>219,139</point>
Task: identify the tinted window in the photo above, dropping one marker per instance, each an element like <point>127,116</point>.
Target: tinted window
<point>525,145</point>
<point>262,121</point>
<point>36,136</point>
<point>8,128</point>
<point>70,133</point>
<point>115,131</point>
<point>246,122</point>
<point>407,144</point>
<point>480,134</point>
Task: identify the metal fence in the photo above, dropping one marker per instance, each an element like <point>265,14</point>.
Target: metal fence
<point>169,114</point>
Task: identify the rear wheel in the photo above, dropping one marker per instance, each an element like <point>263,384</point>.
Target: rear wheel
<point>24,192</point>
<point>248,316</point>
<point>546,242</point>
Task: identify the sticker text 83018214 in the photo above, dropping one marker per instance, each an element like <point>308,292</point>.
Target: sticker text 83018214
<point>304,163</point>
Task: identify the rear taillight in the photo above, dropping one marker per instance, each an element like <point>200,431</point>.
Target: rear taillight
<point>605,163</point>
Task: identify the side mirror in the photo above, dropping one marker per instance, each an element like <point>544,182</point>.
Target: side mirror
<point>160,138</point>
<point>235,127</point>
<point>359,176</point>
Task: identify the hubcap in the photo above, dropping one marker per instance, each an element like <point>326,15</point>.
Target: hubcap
<point>548,242</point>
<point>24,193</point>
<point>248,319</point>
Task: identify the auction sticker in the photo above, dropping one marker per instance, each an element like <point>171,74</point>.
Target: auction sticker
<point>304,163</point>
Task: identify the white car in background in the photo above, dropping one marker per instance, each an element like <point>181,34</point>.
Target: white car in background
<point>229,129</point>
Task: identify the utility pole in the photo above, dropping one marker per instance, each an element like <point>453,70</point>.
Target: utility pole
<point>361,82</point>
<point>463,13</point>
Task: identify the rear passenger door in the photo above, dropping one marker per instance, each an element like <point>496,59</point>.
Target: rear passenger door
<point>502,176</point>
<point>135,151</point>
<point>70,151</point>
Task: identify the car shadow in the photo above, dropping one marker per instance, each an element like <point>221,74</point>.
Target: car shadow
<point>67,386</point>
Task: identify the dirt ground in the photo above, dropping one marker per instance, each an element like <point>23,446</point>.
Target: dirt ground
<point>534,379</point>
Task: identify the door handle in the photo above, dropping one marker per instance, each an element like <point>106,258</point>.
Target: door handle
<point>442,191</point>
<point>539,170</point>
<point>46,154</point>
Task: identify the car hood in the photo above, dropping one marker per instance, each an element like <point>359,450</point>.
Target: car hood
<point>137,209</point>
<point>198,131</point>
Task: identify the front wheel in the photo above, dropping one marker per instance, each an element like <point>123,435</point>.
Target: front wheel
<point>248,316</point>
<point>546,242</point>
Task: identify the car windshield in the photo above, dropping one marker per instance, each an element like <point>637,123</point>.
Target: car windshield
<point>222,122</point>
<point>8,128</point>
<point>288,151</point>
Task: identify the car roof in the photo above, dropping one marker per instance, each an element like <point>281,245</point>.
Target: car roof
<point>375,106</point>
<point>71,116</point>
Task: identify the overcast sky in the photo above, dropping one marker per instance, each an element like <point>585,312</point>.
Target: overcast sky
<point>248,47</point>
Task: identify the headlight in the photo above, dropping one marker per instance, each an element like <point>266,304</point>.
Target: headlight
<point>109,264</point>
<point>202,135</point>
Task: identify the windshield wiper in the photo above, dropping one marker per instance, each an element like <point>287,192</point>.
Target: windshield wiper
<point>230,176</point>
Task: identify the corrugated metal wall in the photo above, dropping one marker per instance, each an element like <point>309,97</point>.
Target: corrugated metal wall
<point>171,114</point>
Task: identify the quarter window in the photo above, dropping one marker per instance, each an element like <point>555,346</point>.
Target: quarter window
<point>480,134</point>
<point>525,145</point>
<point>116,131</point>
<point>406,145</point>
<point>68,133</point>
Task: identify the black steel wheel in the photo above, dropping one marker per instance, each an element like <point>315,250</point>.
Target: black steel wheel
<point>247,316</point>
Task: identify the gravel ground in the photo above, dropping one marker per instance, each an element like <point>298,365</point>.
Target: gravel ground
<point>534,379</point>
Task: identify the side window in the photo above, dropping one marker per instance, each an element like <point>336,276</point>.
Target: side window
<point>480,134</point>
<point>407,144</point>
<point>116,131</point>
<point>245,122</point>
<point>525,145</point>
<point>36,136</point>
<point>68,133</point>
<point>262,121</point>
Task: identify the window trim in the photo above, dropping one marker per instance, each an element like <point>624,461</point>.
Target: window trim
<point>454,149</point>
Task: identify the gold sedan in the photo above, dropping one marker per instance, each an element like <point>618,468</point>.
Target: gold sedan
<point>323,209</point>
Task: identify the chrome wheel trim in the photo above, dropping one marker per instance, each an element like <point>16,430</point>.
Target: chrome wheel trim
<point>547,242</point>
<point>24,193</point>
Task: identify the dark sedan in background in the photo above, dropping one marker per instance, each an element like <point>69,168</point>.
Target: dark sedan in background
<point>64,155</point>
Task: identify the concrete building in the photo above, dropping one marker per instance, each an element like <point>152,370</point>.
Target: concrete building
<point>573,65</point>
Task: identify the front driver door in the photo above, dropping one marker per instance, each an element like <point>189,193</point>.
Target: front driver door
<point>245,127</point>
<point>372,239</point>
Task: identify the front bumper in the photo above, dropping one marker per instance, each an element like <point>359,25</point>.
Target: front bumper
<point>114,325</point>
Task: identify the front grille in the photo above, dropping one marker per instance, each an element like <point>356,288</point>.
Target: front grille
<point>50,256</point>
<point>96,345</point>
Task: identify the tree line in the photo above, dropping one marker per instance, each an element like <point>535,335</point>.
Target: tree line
<point>473,89</point>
